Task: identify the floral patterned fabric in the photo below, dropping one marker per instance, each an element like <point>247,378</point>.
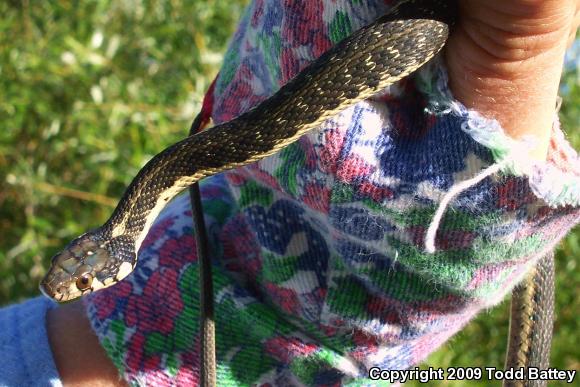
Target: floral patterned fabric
<point>320,267</point>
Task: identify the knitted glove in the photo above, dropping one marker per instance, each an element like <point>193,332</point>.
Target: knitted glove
<point>323,267</point>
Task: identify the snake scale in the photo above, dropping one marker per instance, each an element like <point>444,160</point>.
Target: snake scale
<point>366,62</point>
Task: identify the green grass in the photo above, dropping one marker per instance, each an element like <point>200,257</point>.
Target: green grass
<point>90,91</point>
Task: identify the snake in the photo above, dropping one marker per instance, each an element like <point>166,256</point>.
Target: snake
<point>363,64</point>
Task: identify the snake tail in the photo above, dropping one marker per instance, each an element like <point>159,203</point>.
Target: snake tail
<point>531,322</point>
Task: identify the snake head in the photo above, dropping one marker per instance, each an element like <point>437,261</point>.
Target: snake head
<point>84,266</point>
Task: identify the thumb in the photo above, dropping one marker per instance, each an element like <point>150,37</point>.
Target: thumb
<point>505,60</point>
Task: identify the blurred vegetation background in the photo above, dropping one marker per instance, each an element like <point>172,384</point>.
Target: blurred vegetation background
<point>91,90</point>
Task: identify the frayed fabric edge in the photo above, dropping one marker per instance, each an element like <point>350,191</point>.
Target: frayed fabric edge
<point>549,183</point>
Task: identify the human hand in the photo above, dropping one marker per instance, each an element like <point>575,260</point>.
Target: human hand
<point>505,60</point>
<point>78,356</point>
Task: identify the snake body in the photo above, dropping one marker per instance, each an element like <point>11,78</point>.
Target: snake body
<point>358,67</point>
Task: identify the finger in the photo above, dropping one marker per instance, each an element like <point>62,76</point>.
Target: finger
<point>505,60</point>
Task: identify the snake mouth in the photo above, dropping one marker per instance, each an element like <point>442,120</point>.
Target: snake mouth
<point>50,292</point>
<point>46,290</point>
<point>58,295</point>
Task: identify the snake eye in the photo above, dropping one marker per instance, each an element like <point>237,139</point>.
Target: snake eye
<point>84,281</point>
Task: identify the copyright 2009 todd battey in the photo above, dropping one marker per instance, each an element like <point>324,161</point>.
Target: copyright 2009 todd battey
<point>472,373</point>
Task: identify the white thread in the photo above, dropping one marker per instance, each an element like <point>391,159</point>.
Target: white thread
<point>454,191</point>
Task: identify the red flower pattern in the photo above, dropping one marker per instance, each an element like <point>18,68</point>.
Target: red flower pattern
<point>286,299</point>
<point>175,253</point>
<point>135,349</point>
<point>157,307</point>
<point>317,197</point>
<point>287,348</point>
<point>106,301</point>
<point>241,252</point>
